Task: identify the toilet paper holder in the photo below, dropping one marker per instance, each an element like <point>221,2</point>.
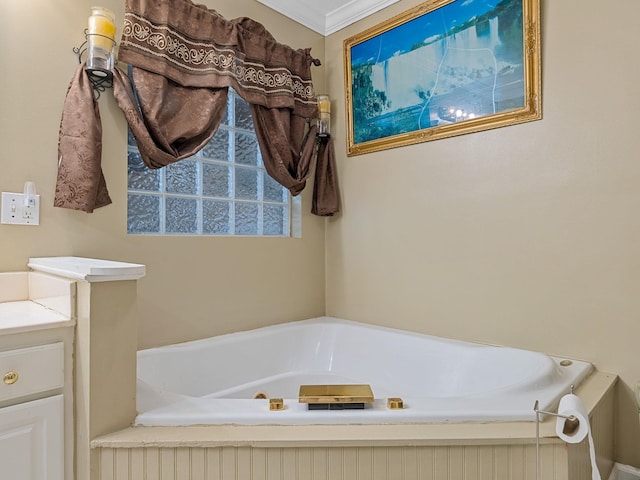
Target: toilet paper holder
<point>572,420</point>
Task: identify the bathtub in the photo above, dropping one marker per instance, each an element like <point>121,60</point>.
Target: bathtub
<point>214,381</point>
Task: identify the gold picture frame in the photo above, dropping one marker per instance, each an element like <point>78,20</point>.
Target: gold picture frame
<point>443,68</point>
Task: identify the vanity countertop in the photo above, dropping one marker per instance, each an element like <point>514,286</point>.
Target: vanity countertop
<point>32,301</point>
<point>26,316</point>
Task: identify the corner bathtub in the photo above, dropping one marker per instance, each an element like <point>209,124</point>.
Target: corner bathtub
<point>214,381</point>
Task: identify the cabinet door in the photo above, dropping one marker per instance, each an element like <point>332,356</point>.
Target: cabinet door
<point>32,440</point>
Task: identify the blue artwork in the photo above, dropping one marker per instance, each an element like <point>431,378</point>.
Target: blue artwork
<point>462,61</point>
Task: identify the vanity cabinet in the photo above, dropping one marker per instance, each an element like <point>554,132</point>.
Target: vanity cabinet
<point>37,324</point>
<point>32,417</point>
<point>67,364</point>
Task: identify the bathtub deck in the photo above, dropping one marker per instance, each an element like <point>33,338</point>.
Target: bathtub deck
<point>386,452</point>
<point>492,451</point>
<point>592,391</point>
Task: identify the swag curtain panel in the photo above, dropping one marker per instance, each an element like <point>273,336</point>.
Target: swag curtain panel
<point>80,183</point>
<point>183,58</point>
<point>192,48</point>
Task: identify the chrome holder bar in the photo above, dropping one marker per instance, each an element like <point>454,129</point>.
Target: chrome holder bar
<point>539,412</point>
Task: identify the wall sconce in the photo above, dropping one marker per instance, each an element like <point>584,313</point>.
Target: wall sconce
<point>99,46</point>
<point>324,116</point>
<point>101,41</point>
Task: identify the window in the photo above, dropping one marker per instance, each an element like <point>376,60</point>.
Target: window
<point>222,190</point>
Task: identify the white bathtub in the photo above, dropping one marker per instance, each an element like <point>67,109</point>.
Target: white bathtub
<point>213,381</point>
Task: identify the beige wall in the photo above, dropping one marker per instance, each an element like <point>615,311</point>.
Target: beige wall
<point>195,287</point>
<point>526,236</point>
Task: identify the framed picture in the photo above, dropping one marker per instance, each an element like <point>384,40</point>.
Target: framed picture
<point>443,68</point>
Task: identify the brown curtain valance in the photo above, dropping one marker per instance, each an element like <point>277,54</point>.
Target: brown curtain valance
<point>183,59</point>
<point>185,56</point>
<point>196,47</point>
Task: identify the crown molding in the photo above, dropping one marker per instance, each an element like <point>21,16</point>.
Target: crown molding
<point>351,12</point>
<point>324,17</point>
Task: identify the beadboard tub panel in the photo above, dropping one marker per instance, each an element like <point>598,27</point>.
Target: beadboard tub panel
<point>464,462</point>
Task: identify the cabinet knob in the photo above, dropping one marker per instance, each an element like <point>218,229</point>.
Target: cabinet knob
<point>10,378</point>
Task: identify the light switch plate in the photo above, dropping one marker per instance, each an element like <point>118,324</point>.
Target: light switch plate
<point>16,211</point>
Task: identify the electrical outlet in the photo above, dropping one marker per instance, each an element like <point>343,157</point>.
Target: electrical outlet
<point>20,209</point>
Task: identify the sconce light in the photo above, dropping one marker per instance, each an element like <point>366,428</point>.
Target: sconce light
<point>324,116</point>
<point>99,46</point>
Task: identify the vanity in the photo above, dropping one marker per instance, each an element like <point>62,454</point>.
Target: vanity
<point>37,319</point>
<point>68,337</point>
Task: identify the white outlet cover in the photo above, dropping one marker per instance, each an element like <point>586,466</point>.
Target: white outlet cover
<point>13,210</point>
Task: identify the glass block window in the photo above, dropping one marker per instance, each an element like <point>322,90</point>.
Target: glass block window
<point>222,190</point>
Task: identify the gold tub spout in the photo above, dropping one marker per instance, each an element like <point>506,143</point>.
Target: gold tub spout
<point>335,397</point>
<point>335,394</point>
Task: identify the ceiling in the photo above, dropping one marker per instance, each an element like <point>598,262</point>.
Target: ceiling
<point>327,16</point>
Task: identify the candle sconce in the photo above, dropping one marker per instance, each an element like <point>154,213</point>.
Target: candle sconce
<point>99,47</point>
<point>324,116</point>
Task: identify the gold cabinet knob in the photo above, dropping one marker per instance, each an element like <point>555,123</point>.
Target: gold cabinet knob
<point>10,378</point>
<point>395,403</point>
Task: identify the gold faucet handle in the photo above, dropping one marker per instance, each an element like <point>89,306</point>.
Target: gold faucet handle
<point>276,404</point>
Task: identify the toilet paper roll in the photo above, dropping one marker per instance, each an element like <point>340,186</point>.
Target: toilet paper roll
<point>568,431</point>
<point>565,429</point>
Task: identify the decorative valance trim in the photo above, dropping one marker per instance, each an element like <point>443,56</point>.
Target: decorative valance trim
<point>196,47</point>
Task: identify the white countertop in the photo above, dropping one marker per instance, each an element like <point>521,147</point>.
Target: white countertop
<point>88,269</point>
<point>25,316</point>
